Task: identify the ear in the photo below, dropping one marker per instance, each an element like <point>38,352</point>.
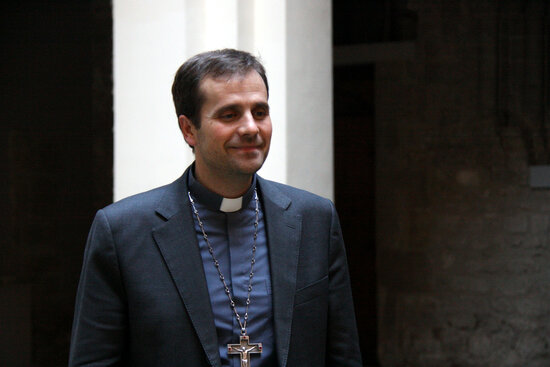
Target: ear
<point>188,130</point>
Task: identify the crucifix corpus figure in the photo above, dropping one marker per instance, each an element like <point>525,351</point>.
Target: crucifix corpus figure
<point>244,349</point>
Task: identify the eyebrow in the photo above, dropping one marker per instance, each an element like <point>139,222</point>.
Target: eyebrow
<point>262,105</point>
<point>236,106</point>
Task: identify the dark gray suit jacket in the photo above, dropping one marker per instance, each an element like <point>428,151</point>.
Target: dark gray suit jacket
<point>143,299</point>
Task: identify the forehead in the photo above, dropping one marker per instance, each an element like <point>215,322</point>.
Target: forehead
<point>217,90</point>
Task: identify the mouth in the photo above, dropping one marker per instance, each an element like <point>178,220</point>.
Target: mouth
<point>247,148</point>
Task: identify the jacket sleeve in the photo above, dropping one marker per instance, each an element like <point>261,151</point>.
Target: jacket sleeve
<point>100,319</point>
<point>343,342</point>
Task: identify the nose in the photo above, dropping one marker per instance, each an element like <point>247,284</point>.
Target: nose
<point>248,126</point>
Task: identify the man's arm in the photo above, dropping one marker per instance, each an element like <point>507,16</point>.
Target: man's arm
<point>343,341</point>
<point>100,319</point>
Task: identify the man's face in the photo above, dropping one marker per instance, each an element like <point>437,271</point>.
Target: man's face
<point>235,128</point>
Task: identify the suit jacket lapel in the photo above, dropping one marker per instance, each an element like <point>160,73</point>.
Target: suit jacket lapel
<point>283,238</point>
<point>178,244</point>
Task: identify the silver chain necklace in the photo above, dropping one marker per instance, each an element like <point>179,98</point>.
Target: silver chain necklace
<point>244,348</point>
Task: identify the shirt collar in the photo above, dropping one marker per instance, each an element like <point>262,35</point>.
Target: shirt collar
<point>217,202</point>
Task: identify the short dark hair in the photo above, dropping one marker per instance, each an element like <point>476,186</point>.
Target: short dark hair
<point>227,62</point>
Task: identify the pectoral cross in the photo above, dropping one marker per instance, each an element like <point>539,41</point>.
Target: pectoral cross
<point>244,349</point>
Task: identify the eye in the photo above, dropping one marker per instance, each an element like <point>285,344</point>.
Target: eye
<point>260,113</point>
<point>228,116</point>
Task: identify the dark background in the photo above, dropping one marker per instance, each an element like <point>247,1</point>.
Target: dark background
<point>56,161</point>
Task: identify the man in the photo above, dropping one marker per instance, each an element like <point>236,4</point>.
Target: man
<point>221,267</point>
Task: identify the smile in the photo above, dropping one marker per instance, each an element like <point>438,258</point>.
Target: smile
<point>247,148</point>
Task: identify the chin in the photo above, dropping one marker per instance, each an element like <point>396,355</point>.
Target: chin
<point>251,168</point>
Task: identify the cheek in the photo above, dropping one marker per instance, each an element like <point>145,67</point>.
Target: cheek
<point>222,137</point>
<point>267,129</point>
<point>217,135</point>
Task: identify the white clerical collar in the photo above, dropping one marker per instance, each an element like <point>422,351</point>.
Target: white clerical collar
<point>231,205</point>
<point>218,202</point>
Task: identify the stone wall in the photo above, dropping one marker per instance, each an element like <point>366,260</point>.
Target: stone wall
<point>463,253</point>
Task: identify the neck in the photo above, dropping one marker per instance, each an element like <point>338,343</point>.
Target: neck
<point>228,187</point>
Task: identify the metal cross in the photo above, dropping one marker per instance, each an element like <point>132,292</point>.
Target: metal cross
<point>244,348</point>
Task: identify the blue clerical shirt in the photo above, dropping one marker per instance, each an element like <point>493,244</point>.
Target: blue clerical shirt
<point>231,235</point>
